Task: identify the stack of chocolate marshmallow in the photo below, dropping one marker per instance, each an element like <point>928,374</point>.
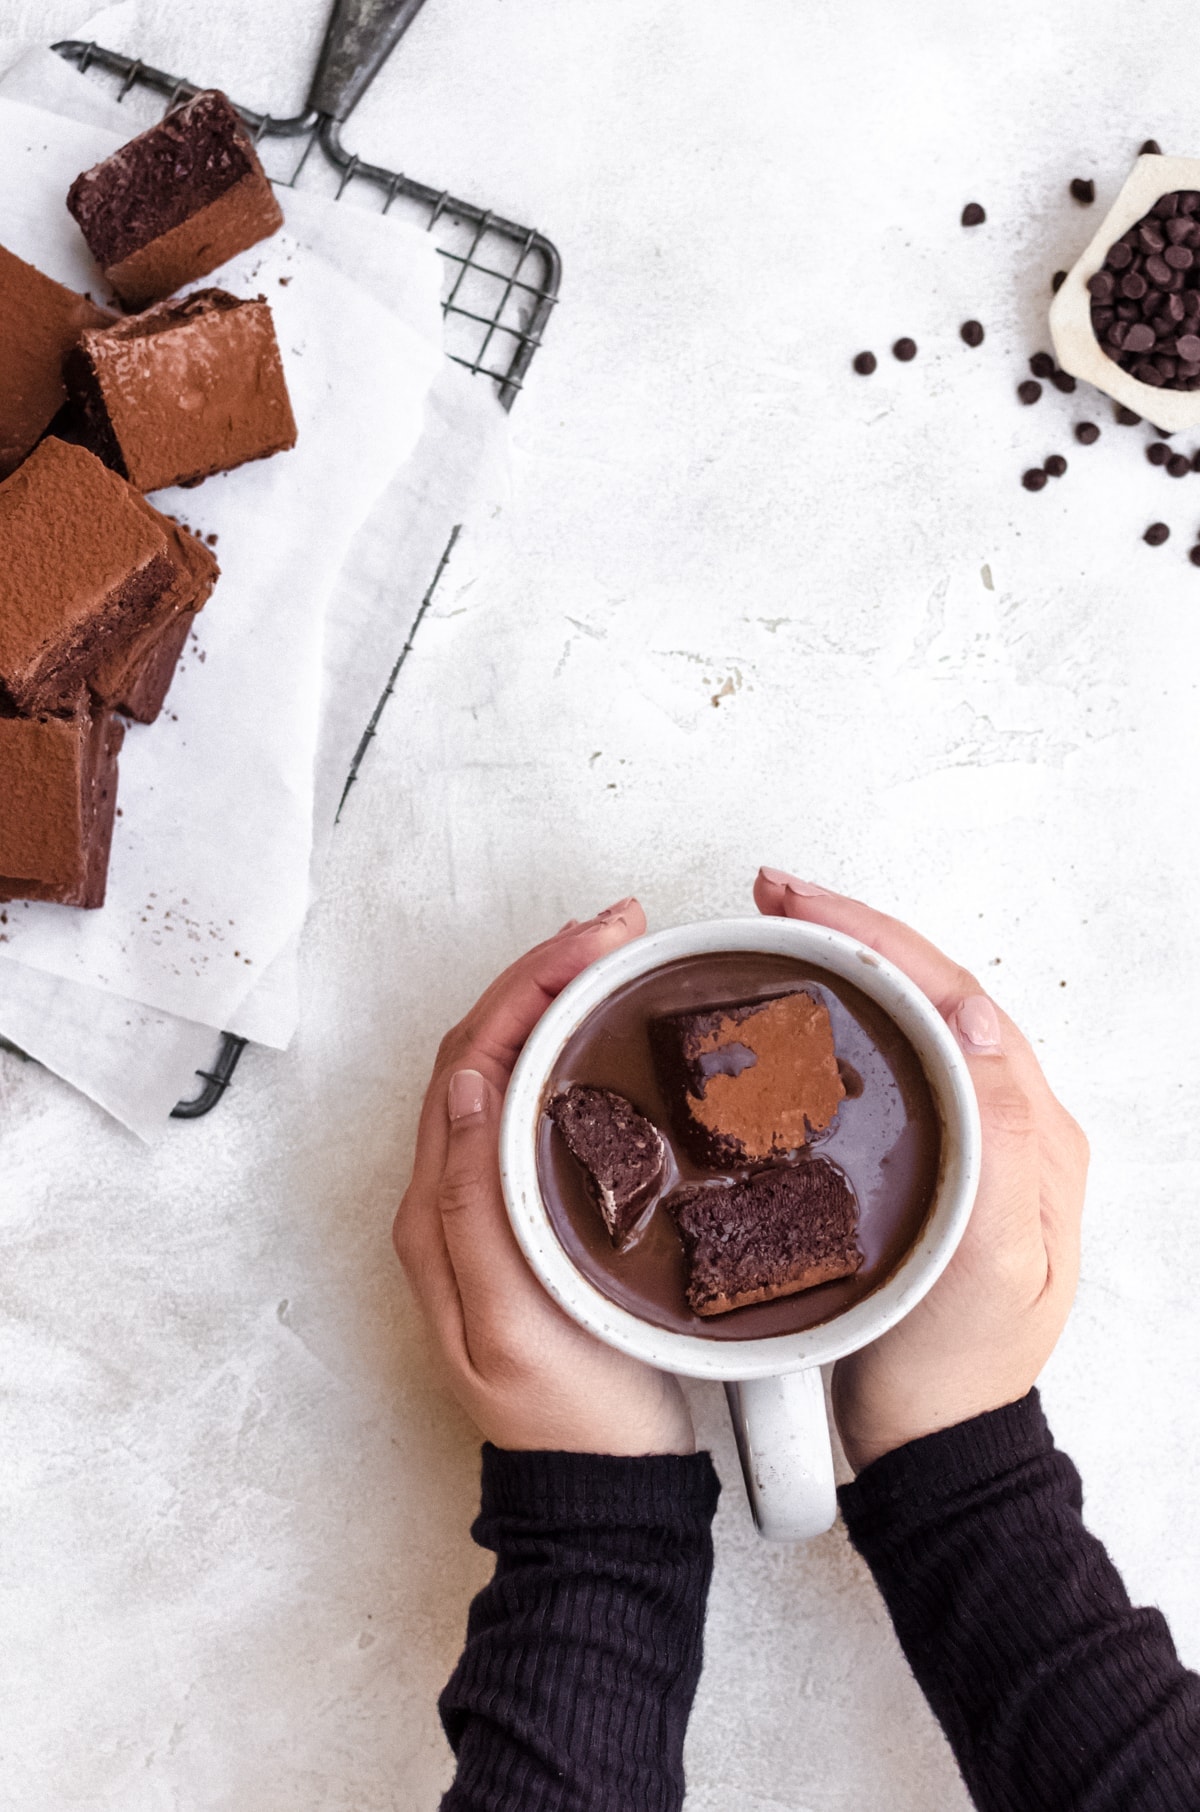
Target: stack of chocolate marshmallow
<point>98,590</point>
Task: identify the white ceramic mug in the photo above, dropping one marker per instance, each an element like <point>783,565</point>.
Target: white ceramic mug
<point>773,1384</point>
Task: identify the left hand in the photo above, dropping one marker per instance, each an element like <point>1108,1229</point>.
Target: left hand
<point>526,1374</point>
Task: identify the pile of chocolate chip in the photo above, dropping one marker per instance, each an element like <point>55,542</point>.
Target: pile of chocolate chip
<point>1146,315</point>
<point>1146,296</point>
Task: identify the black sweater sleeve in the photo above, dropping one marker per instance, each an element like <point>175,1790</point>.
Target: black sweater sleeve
<point>1056,1694</point>
<point>583,1652</point>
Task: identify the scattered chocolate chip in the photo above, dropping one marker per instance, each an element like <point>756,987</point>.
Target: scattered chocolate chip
<point>904,350</point>
<point>1158,453</point>
<point>1062,380</point>
<point>1042,365</point>
<point>1179,465</point>
<point>1194,556</point>
<point>1034,479</point>
<point>1057,281</point>
<point>1196,462</point>
<point>865,363</point>
<point>1083,190</point>
<point>972,333</point>
<point>1156,534</point>
<point>1087,433</point>
<point>1151,148</point>
<point>1056,465</point>
<point>973,214</point>
<point>1028,391</point>
<point>1126,416</point>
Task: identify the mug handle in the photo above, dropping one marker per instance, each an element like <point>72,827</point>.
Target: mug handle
<point>783,1444</point>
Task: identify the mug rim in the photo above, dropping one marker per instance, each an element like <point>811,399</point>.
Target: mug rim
<point>693,1355</point>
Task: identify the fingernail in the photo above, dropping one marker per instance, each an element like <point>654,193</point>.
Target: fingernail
<point>615,911</point>
<point>976,1025</point>
<point>807,890</point>
<point>464,1097</point>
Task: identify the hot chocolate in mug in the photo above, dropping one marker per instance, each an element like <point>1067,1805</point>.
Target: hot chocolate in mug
<point>772,1379</point>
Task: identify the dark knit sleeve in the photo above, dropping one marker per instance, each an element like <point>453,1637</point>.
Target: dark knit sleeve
<point>1056,1694</point>
<point>583,1653</point>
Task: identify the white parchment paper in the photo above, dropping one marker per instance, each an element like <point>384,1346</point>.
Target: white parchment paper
<point>210,862</point>
<point>135,1061</point>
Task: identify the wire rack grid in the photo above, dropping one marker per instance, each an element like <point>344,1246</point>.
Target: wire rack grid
<point>501,285</point>
<point>502,279</point>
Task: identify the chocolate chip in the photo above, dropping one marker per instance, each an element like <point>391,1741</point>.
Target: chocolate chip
<point>1150,237</point>
<point>865,363</point>
<point>1087,433</point>
<point>1179,465</point>
<point>1151,148</point>
<point>1196,462</point>
<point>1134,285</point>
<point>1166,207</point>
<point>1034,479</point>
<point>1126,416</point>
<point>1158,453</point>
<point>1194,556</point>
<point>904,350</point>
<point>1056,465</point>
<point>972,333</point>
<point>1062,380</point>
<point>1042,365</point>
<point>1138,338</point>
<point>1102,286</point>
<point>1146,373</point>
<point>1157,270</point>
<point>1181,230</point>
<point>1120,256</point>
<point>1156,534</point>
<point>973,214</point>
<point>1083,190</point>
<point>1057,281</point>
<point>1028,391</point>
<point>1188,346</point>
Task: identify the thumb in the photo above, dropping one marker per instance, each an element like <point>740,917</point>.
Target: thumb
<point>482,1248</point>
<point>1009,1196</point>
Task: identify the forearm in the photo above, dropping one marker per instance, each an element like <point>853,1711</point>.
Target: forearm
<point>582,1656</point>
<point>1056,1694</point>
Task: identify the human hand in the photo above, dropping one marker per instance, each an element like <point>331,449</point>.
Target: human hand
<point>983,1333</point>
<point>526,1374</point>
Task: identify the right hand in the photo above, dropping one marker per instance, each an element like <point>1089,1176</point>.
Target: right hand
<point>983,1333</point>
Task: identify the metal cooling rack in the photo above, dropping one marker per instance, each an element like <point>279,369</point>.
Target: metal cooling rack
<point>501,282</point>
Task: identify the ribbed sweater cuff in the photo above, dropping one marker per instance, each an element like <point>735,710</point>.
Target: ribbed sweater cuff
<point>668,1491</point>
<point>940,1466</point>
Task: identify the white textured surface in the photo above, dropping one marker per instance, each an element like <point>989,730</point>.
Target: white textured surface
<point>235,1559</point>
